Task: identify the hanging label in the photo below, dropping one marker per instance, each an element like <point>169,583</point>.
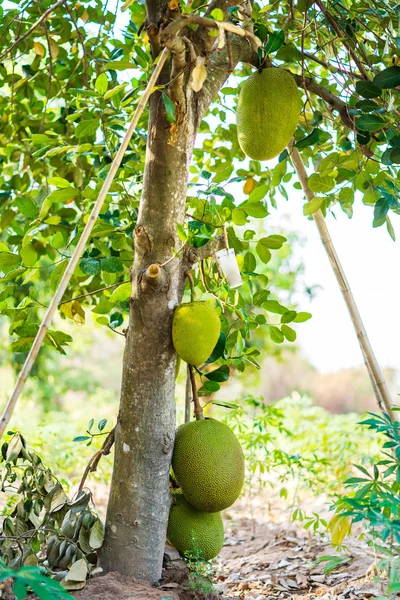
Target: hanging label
<point>228,264</point>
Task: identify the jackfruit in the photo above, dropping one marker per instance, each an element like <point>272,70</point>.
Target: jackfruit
<point>267,114</point>
<point>195,331</point>
<point>192,531</point>
<point>208,463</point>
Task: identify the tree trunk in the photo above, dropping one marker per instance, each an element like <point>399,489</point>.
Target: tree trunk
<point>138,509</point>
<point>139,503</point>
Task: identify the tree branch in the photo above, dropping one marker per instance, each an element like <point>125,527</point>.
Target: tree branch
<point>42,18</point>
<point>194,255</point>
<point>173,29</point>
<point>333,101</point>
<point>94,461</point>
<point>340,33</point>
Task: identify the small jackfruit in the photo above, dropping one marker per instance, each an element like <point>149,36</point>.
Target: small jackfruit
<point>267,114</point>
<point>192,531</point>
<point>195,331</point>
<point>208,464</point>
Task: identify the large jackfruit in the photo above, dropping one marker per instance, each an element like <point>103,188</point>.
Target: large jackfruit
<point>192,531</point>
<point>267,114</point>
<point>208,464</point>
<point>195,331</point>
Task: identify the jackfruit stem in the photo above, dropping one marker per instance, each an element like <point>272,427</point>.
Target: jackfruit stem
<point>191,283</point>
<point>198,411</point>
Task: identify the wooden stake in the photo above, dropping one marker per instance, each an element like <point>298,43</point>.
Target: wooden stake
<point>377,379</point>
<point>38,341</point>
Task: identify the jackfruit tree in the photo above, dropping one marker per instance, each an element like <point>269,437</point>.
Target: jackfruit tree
<point>71,76</point>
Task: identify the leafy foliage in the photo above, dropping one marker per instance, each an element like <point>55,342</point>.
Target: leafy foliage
<point>374,500</point>
<point>44,528</point>
<point>31,578</point>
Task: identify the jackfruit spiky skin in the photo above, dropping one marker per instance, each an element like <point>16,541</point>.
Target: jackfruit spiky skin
<point>208,463</point>
<point>195,331</point>
<point>193,531</point>
<point>267,114</point>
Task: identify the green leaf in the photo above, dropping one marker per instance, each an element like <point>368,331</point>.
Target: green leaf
<point>224,404</point>
<point>263,251</point>
<point>239,216</point>
<point>170,108</point>
<point>288,53</point>
<point>88,127</point>
<point>390,229</point>
<point>381,209</point>
<point>81,438</point>
<point>312,138</point>
<point>258,194</point>
<point>388,78</point>
<point>90,266</point>
<point>321,184</point>
<point>288,316</point>
<point>258,210</point>
<point>102,424</point>
<point>370,122</point>
<point>249,263</point>
<point>311,207</point>
<point>366,89</point>
<point>289,333</point>
<point>217,14</point>
<point>122,293</point>
<point>276,334</point>
<point>274,307</point>
<point>7,259</point>
<point>302,317</point>
<point>120,65</point>
<point>63,195</point>
<point>96,535</point>
<point>57,274</point>
<point>274,42</point>
<point>115,90</point>
<point>27,207</point>
<point>59,182</point>
<point>209,387</point>
<point>111,264</point>
<point>28,255</point>
<point>221,374</point>
<point>274,242</point>
<point>57,241</point>
<point>218,350</point>
<point>101,84</point>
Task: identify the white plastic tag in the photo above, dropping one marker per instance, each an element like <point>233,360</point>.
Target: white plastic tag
<point>227,261</point>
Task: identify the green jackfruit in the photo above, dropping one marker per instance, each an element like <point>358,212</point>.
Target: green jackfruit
<point>267,114</point>
<point>208,463</point>
<point>195,331</point>
<point>192,531</point>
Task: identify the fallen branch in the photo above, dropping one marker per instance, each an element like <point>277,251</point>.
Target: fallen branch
<point>42,18</point>
<point>41,334</point>
<point>94,461</point>
<point>377,378</point>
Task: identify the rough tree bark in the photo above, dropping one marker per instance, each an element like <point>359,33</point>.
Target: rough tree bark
<point>139,502</point>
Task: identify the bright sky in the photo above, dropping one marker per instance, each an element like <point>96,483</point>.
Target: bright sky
<point>370,259</point>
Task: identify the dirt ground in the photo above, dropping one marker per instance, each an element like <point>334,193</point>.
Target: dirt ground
<point>265,556</point>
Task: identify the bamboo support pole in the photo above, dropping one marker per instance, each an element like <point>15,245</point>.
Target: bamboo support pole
<point>374,370</point>
<point>73,261</point>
